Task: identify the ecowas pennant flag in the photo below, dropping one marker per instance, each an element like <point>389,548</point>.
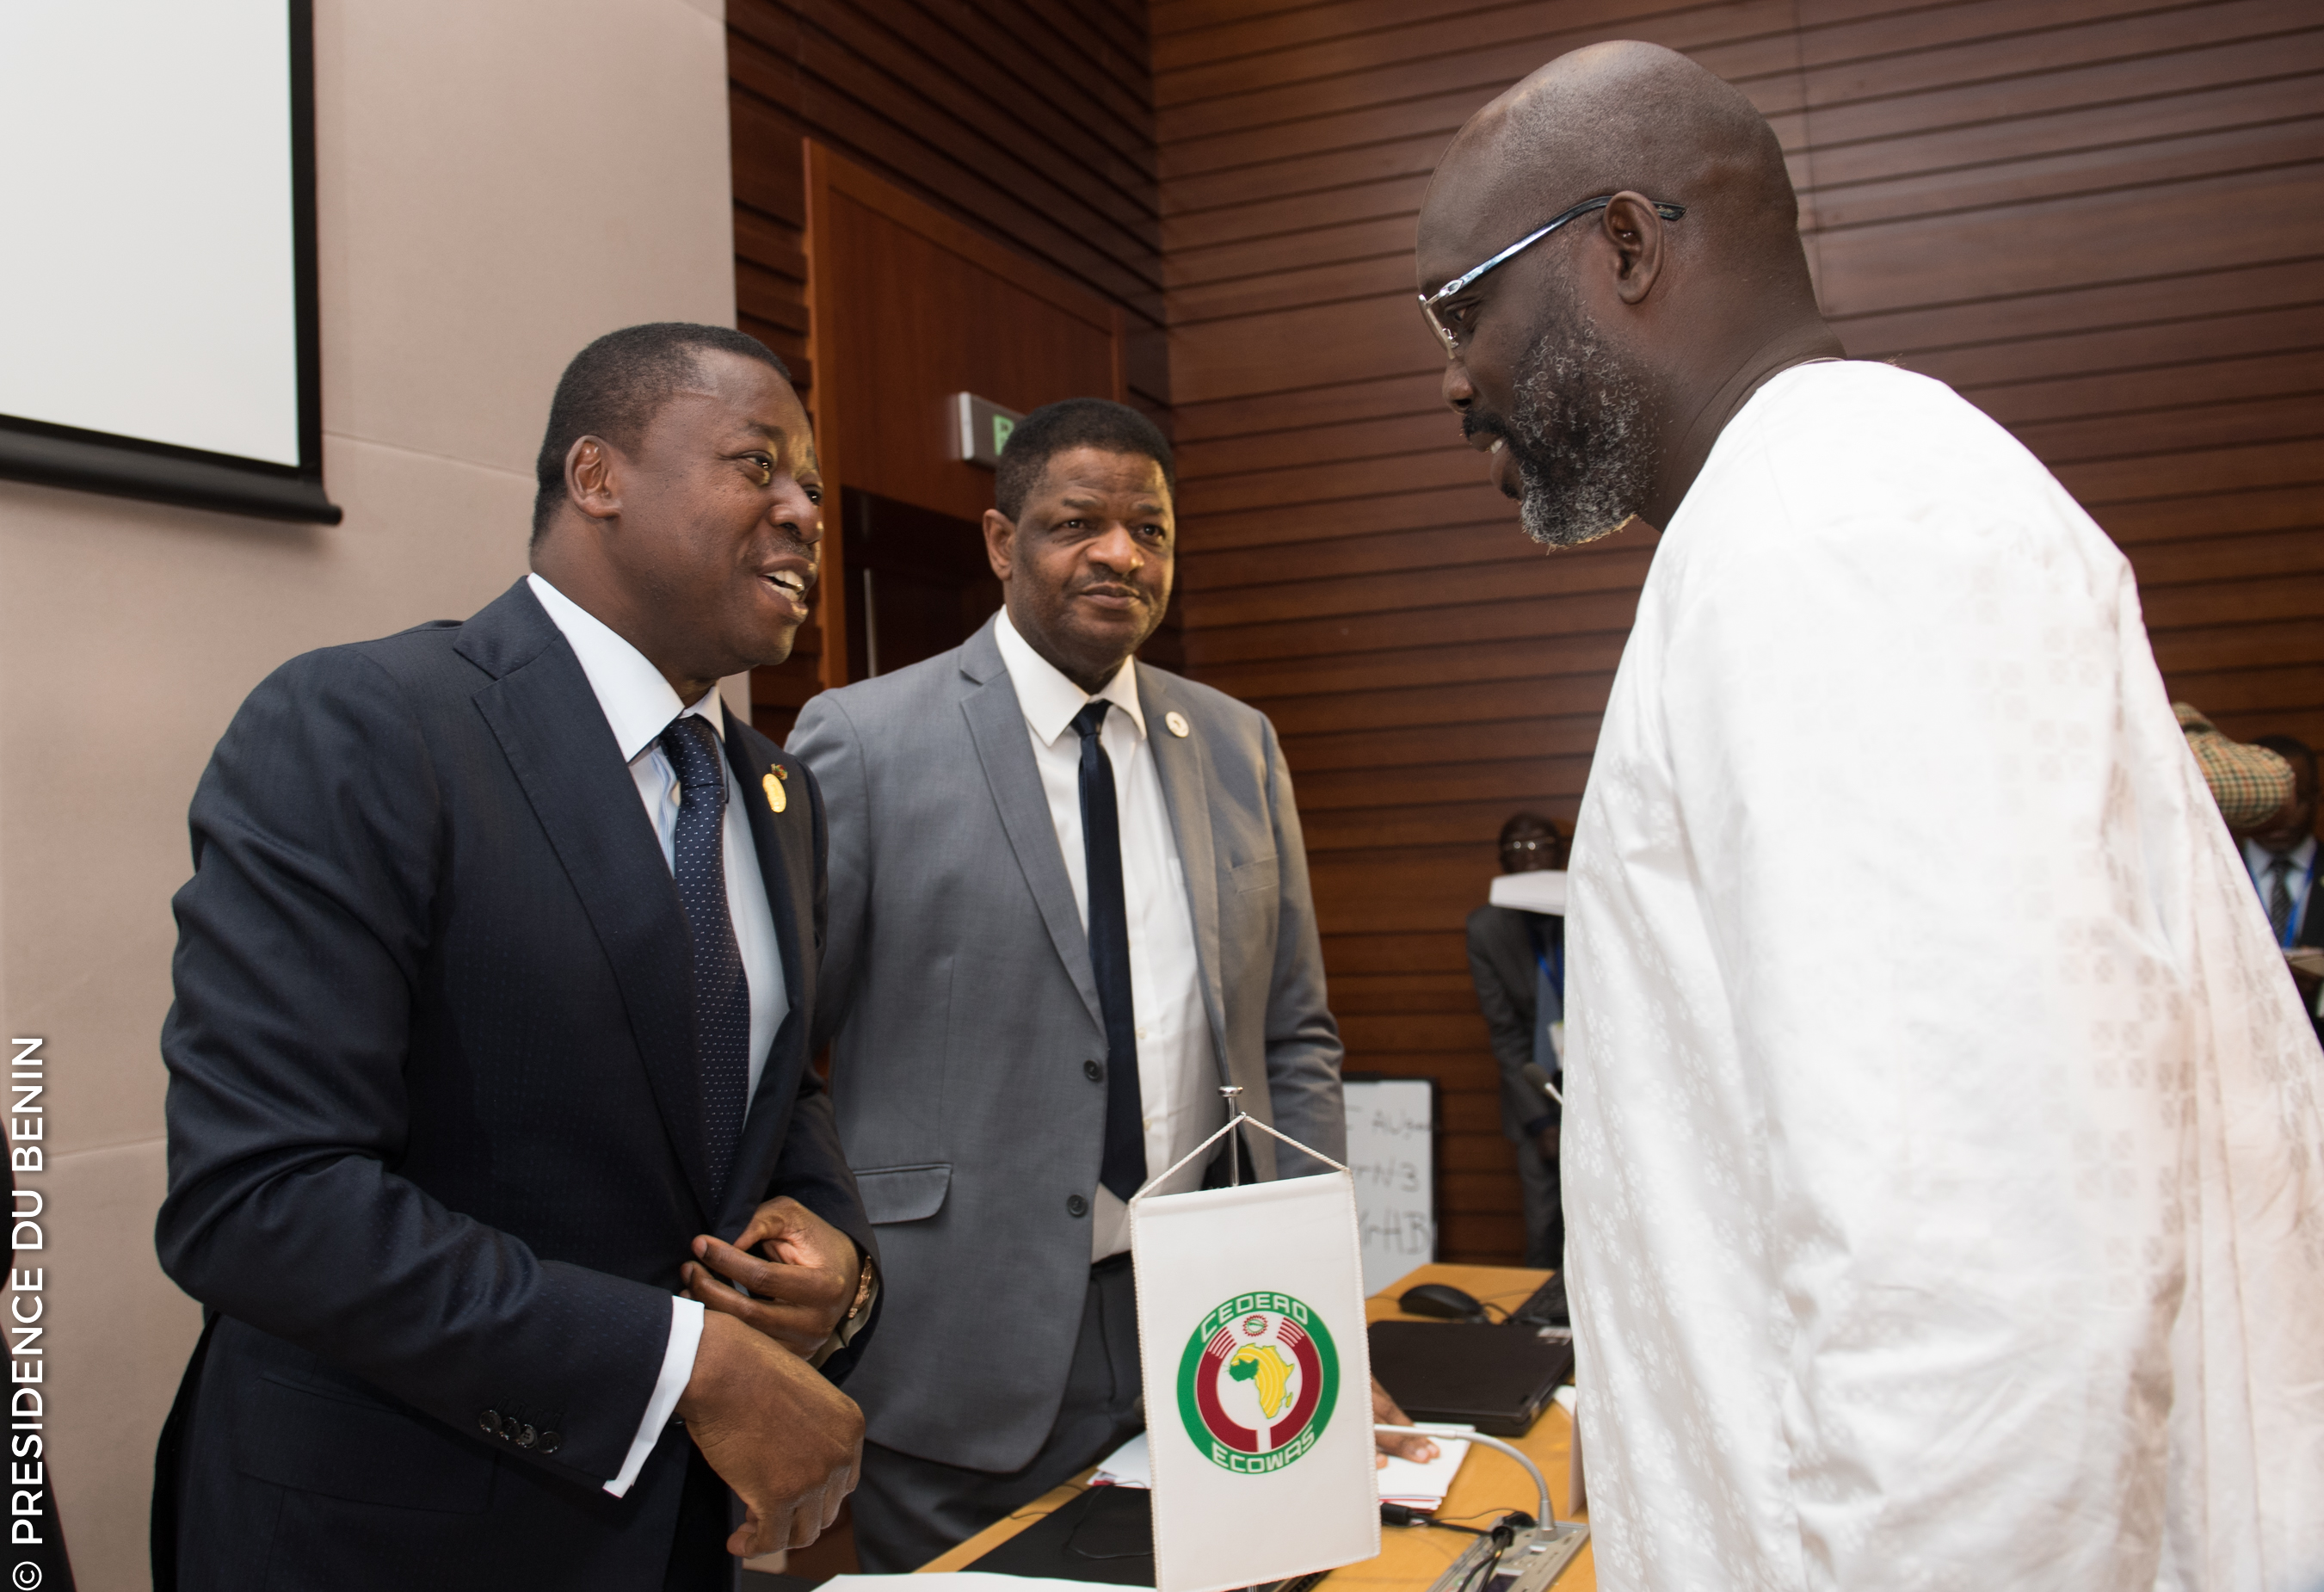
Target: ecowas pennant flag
<point>1259,1409</point>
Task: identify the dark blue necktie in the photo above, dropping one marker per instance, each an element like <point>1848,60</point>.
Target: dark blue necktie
<point>722,989</point>
<point>1123,1168</point>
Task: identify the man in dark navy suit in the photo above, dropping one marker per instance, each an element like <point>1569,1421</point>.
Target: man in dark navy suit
<point>489,1093</point>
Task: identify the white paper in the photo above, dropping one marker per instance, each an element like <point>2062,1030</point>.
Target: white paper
<point>1541,890</point>
<point>1257,1382</point>
<point>1127,1466</point>
<point>1391,1150</point>
<point>1423,1486</point>
<point>1410,1483</point>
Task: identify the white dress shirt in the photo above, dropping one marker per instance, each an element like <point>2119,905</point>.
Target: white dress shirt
<point>2298,878</point>
<point>1178,1067</point>
<point>639,704</point>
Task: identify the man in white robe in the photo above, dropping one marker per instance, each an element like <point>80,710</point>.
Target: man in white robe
<point>1945,1176</point>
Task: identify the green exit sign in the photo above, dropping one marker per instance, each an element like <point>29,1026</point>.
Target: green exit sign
<point>980,430</point>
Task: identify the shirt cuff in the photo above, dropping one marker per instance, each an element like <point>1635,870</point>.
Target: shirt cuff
<point>676,1370</point>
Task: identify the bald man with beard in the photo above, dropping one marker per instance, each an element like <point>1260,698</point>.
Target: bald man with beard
<point>1944,1172</point>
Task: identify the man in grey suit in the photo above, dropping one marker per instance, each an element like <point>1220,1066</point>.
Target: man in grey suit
<point>1068,902</point>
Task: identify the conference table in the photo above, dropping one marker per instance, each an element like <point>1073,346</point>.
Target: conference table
<point>1411,1557</point>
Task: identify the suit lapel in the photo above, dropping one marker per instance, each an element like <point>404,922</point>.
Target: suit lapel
<point>785,843</point>
<point>563,754</point>
<point>996,722</point>
<point>1187,795</point>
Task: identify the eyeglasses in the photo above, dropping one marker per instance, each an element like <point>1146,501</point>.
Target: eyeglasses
<point>1460,284</point>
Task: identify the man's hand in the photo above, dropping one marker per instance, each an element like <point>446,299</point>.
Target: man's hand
<point>787,1442</point>
<point>1403,1445</point>
<point>1546,1141</point>
<point>798,1294</point>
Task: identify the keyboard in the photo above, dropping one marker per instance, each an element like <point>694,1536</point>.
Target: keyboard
<point>1545,1306</point>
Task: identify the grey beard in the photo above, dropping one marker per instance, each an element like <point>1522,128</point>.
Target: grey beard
<point>1582,440</point>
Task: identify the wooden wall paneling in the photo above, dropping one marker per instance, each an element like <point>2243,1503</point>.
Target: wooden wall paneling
<point>2158,338</point>
<point>1415,61</point>
<point>1240,579</point>
<point>824,265</point>
<point>2179,229</point>
<point>2097,219</point>
<point>1016,118</point>
<point>769,232</point>
<point>1300,597</point>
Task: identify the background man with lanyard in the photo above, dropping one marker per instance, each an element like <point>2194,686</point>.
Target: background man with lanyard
<point>2282,858</point>
<point>1517,959</point>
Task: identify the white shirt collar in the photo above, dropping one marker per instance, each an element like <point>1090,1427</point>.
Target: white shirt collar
<point>637,701</point>
<point>1050,701</point>
<point>2262,861</point>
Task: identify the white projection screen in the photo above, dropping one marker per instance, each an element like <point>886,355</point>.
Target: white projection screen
<point>157,252</point>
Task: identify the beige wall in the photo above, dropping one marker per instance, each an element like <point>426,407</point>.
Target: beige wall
<point>498,183</point>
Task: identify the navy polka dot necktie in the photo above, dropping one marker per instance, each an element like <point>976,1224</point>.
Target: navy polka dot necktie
<point>722,989</point>
<point>1122,1166</point>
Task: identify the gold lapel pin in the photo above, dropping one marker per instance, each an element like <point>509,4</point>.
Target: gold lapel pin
<point>774,783</point>
<point>1177,723</point>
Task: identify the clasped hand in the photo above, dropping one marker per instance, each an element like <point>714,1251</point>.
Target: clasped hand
<point>787,1442</point>
<point>796,1294</point>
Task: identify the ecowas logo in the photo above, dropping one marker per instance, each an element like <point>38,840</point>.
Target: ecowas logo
<point>1258,1381</point>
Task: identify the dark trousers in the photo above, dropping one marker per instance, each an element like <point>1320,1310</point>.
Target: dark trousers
<point>908,1510</point>
<point>698,1560</point>
<point>1543,1195</point>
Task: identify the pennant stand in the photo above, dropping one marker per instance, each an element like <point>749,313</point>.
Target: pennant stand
<point>1258,1375</point>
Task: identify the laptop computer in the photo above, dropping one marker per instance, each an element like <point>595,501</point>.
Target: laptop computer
<point>1495,1378</point>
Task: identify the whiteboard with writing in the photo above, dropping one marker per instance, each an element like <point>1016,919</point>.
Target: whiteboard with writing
<point>1391,1149</point>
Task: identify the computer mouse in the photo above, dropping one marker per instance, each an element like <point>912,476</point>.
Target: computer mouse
<point>1436,1299</point>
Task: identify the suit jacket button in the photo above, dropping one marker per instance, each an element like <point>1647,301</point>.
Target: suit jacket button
<point>1075,1205</point>
<point>1093,1071</point>
<point>491,1422</point>
<point>550,1441</point>
<point>526,1437</point>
